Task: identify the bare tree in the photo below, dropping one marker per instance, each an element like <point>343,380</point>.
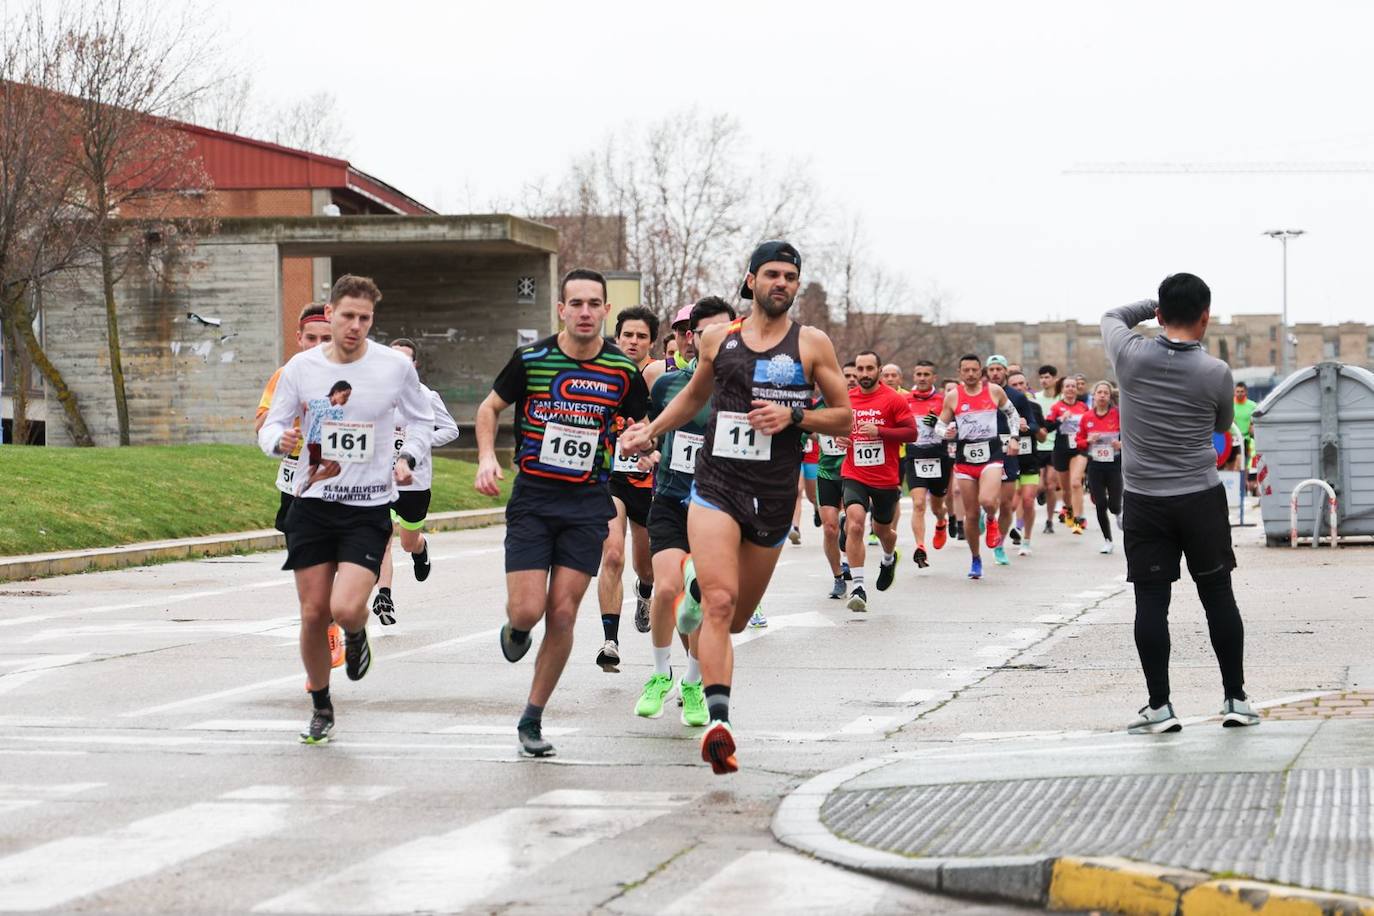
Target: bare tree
<point>127,73</point>
<point>41,235</point>
<point>311,123</point>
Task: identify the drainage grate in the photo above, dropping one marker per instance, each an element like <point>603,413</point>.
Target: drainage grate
<point>1311,828</point>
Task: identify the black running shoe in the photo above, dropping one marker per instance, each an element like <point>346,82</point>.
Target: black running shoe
<point>838,590</point>
<point>1049,527</point>
<point>816,518</point>
<point>357,655</point>
<point>1015,535</point>
<point>321,724</point>
<point>512,649</point>
<point>384,609</point>
<point>1040,498</point>
<point>641,610</point>
<point>421,563</point>
<point>886,573</point>
<point>858,600</point>
<point>532,743</point>
<point>920,557</point>
<point>844,571</point>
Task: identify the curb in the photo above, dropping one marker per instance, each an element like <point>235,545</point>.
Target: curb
<point>1054,882</point>
<point>67,562</point>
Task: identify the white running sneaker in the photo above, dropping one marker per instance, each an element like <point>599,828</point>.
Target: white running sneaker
<point>1107,547</point>
<point>1155,721</point>
<point>1238,713</point>
<point>1024,550</point>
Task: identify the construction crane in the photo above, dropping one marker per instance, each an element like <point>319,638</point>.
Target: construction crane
<point>1220,168</point>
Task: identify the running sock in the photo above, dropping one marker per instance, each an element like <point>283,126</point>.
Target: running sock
<point>889,559</point>
<point>519,636</point>
<point>857,575</point>
<point>646,590</point>
<point>321,698</point>
<point>385,591</point>
<point>718,702</point>
<point>693,675</point>
<point>610,623</point>
<point>533,714</point>
<point>661,657</point>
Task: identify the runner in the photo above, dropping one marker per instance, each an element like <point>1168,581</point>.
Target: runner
<point>1070,464</point>
<point>952,499</point>
<point>668,531</point>
<point>411,507</point>
<point>806,487</point>
<point>829,490</point>
<point>1049,492</point>
<point>1099,438</point>
<point>872,473</point>
<point>567,390</point>
<point>350,393</point>
<point>1027,432</point>
<point>929,466</point>
<point>632,490</point>
<point>969,418</point>
<point>311,331</point>
<point>1245,412</point>
<point>762,369</point>
<point>1028,484</point>
<point>1173,397</point>
<point>891,376</point>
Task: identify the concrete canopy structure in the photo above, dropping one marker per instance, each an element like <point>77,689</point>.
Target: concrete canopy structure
<point>202,334</point>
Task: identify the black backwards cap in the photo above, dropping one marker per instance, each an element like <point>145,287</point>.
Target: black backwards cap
<point>774,250</point>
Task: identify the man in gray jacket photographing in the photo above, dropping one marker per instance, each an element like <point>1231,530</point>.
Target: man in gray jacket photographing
<point>1173,397</point>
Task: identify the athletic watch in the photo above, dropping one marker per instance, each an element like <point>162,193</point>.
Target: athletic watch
<point>798,413</point>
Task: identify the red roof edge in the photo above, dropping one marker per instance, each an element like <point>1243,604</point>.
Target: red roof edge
<point>385,194</point>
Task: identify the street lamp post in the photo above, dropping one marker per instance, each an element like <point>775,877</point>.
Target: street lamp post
<point>1283,235</point>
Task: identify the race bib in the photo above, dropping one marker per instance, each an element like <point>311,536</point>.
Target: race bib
<point>1027,443</point>
<point>624,464</point>
<point>929,468</point>
<point>1006,440</point>
<point>286,475</point>
<point>869,454</point>
<point>686,447</point>
<point>347,441</point>
<point>1068,426</point>
<point>977,452</point>
<point>830,447</point>
<point>572,448</point>
<point>735,438</point>
<point>1102,451</point>
<point>400,439</point>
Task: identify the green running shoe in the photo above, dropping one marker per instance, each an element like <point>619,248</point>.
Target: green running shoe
<point>689,606</point>
<point>694,712</point>
<point>999,554</point>
<point>658,689</point>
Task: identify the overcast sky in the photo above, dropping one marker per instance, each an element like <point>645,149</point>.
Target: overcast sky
<point>947,127</point>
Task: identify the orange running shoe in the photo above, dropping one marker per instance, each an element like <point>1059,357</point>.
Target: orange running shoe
<point>718,748</point>
<point>336,645</point>
<point>994,534</point>
<point>941,535</point>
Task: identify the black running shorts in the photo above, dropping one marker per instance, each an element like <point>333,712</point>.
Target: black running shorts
<point>762,521</point>
<point>936,486</point>
<point>668,525</point>
<point>318,531</point>
<point>881,503</point>
<point>411,507</point>
<point>1159,530</point>
<point>635,499</point>
<point>829,493</point>
<point>556,524</point>
<point>1062,456</point>
<point>282,509</point>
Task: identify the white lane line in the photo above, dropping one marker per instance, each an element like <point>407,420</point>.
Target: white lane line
<point>294,678</point>
<point>1053,618</point>
<point>169,628</point>
<point>867,725</point>
<point>1026,634</point>
<point>806,620</point>
<point>765,881</point>
<point>451,871</point>
<point>57,873</point>
<point>319,793</point>
<point>996,651</point>
<point>31,668</point>
<point>920,695</point>
<point>590,798</point>
<point>244,725</point>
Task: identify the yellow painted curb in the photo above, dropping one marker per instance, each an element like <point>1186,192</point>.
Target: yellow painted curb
<point>1236,897</point>
<point>1119,885</point>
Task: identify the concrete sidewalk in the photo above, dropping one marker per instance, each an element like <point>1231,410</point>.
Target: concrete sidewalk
<point>1025,787</point>
<point>66,562</point>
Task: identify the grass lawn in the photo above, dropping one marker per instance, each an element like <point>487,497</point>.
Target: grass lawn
<point>72,498</point>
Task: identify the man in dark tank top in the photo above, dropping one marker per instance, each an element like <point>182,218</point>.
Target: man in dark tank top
<point>759,374</point>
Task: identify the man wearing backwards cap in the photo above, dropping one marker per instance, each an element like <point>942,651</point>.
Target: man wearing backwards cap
<point>757,373</point>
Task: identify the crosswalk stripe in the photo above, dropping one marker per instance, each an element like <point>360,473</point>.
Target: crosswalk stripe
<point>450,871</point>
<point>765,881</point>
<point>65,870</point>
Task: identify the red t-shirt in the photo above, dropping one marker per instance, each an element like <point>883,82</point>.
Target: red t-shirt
<point>1069,417</point>
<point>1101,427</point>
<point>874,462</point>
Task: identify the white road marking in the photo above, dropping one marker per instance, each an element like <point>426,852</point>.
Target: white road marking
<point>1053,618</point>
<point>17,796</point>
<point>31,668</point>
<point>57,873</point>
<point>245,725</point>
<point>1025,634</point>
<point>501,730</point>
<point>294,678</point>
<point>807,620</point>
<point>169,628</point>
<point>996,651</point>
<point>589,798</point>
<point>313,793</point>
<point>765,881</point>
<point>450,871</point>
<point>867,725</point>
<point>919,695</point>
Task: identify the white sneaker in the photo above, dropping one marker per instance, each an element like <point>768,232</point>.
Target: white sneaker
<point>1024,550</point>
<point>1106,547</point>
<point>1238,713</point>
<point>1155,721</point>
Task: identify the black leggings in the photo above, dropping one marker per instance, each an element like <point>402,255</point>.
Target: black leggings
<point>1223,624</point>
<point>1104,483</point>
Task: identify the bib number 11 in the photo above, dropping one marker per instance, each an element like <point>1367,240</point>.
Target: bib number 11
<point>735,438</point>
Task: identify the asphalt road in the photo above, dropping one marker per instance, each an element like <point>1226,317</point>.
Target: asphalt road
<point>149,760</point>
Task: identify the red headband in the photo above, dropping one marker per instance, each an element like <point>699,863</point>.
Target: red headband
<point>309,318</point>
